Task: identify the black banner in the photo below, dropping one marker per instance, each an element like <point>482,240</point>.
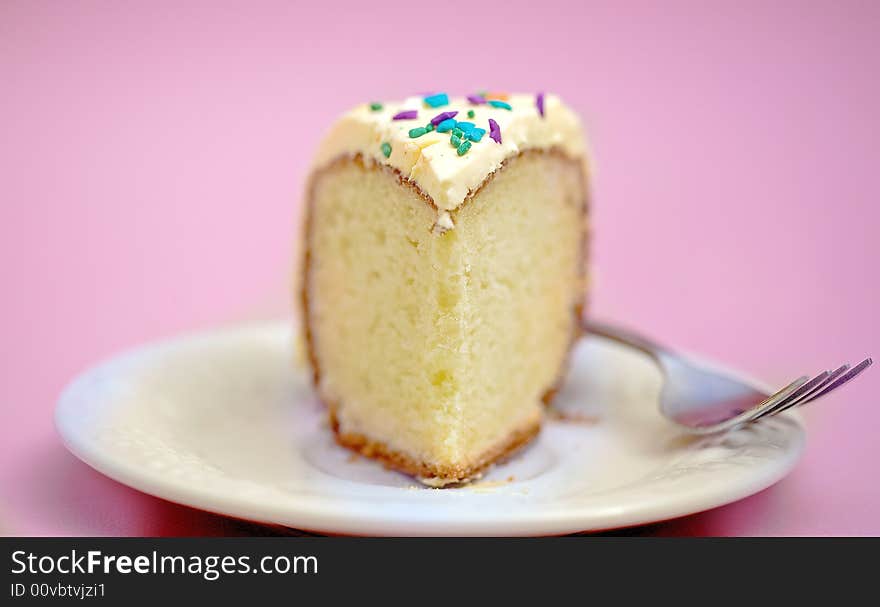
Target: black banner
<point>228,570</point>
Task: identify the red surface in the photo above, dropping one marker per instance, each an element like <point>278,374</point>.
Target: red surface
<point>152,160</point>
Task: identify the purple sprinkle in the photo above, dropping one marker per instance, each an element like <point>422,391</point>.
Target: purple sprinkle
<point>494,131</point>
<point>476,99</point>
<point>443,116</point>
<point>406,115</point>
<point>539,101</point>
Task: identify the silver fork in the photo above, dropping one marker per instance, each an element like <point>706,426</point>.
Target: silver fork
<point>706,401</point>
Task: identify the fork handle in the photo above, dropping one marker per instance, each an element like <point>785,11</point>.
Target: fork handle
<point>623,336</point>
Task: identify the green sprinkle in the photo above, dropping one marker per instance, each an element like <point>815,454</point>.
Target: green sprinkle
<point>417,132</point>
<point>463,148</point>
<point>458,132</point>
<point>471,114</point>
<point>386,149</point>
<point>429,127</point>
<point>455,140</point>
<point>375,107</point>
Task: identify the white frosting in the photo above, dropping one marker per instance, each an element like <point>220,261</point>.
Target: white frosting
<point>431,161</point>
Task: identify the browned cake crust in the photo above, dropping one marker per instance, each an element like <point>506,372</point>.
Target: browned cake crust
<point>397,460</point>
<point>437,476</point>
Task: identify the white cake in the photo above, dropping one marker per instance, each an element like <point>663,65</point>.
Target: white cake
<point>444,276</point>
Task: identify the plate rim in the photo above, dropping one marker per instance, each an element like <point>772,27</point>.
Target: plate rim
<point>314,514</point>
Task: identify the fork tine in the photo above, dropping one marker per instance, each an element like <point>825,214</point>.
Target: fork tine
<point>808,389</point>
<point>817,387</point>
<point>840,380</point>
<point>774,400</point>
<point>820,380</point>
<point>748,416</point>
<point>812,393</point>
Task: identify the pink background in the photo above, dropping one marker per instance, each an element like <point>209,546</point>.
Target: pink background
<point>152,156</point>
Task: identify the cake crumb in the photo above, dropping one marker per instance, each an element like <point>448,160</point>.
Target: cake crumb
<point>489,486</point>
<point>572,417</point>
<point>444,222</point>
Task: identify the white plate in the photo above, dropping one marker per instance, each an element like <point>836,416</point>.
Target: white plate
<point>223,421</point>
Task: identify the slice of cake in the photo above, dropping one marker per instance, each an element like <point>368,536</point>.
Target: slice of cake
<point>444,276</point>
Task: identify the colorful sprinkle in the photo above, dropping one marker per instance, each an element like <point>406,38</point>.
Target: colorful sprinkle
<point>442,117</point>
<point>462,134</point>
<point>494,131</point>
<point>539,101</point>
<point>446,126</point>
<point>438,100</point>
<point>499,104</point>
<point>475,134</point>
